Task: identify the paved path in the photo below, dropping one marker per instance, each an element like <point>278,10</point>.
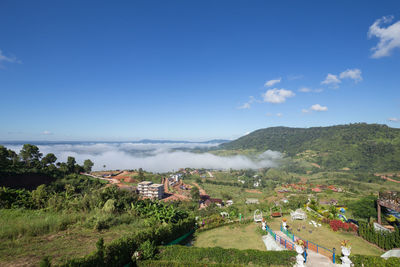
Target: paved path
<point>270,243</point>
<point>314,259</point>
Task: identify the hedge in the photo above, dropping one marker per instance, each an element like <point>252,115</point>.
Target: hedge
<point>120,251</point>
<point>385,240</point>
<point>374,261</point>
<point>154,263</point>
<point>227,256</point>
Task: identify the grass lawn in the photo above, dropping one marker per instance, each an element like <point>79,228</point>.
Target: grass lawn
<point>233,236</point>
<point>26,236</point>
<point>325,237</point>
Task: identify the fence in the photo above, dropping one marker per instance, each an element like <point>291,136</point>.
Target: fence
<point>310,245</point>
<point>282,241</point>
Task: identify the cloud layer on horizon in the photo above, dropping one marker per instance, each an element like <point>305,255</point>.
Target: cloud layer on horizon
<point>154,157</point>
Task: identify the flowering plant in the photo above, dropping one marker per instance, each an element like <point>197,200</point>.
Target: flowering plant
<point>345,243</point>
<point>301,242</point>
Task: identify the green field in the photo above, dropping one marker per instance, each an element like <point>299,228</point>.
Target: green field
<point>233,236</point>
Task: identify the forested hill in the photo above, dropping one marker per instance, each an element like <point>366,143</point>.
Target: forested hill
<point>355,146</point>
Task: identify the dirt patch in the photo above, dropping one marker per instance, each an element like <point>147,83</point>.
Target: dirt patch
<point>201,190</point>
<point>253,191</point>
<point>316,165</point>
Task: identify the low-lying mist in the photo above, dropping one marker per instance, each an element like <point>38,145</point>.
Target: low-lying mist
<point>159,157</point>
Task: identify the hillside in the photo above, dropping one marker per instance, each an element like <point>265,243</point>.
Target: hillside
<point>358,146</point>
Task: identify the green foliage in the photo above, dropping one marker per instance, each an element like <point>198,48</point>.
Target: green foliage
<point>45,262</point>
<point>15,198</point>
<point>119,252</point>
<point>383,239</point>
<point>364,208</point>
<point>19,222</point>
<point>87,165</point>
<point>195,193</point>
<point>356,146</point>
<point>160,211</point>
<point>227,256</point>
<point>374,261</point>
<point>148,250</point>
<point>164,263</point>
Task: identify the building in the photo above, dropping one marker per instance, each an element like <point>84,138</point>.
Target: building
<point>149,190</point>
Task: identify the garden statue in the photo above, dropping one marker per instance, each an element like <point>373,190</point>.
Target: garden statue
<point>284,223</point>
<point>346,250</point>
<point>299,246</point>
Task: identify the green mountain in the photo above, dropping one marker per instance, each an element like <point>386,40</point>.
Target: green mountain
<point>360,146</point>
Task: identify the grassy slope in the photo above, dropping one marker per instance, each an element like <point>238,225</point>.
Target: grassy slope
<point>356,146</point>
<point>234,236</point>
<point>31,235</point>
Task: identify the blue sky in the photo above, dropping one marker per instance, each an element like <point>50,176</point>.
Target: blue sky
<point>194,70</point>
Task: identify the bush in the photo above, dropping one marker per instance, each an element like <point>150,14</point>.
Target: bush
<point>153,263</point>
<point>148,250</point>
<point>385,240</point>
<point>227,256</point>
<point>374,261</point>
<point>339,225</point>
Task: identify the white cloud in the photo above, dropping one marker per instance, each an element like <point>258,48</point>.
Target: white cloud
<point>47,133</point>
<point>279,115</point>
<point>316,107</point>
<point>153,157</point>
<point>9,59</point>
<point>310,90</point>
<point>247,105</point>
<point>277,96</point>
<point>305,90</point>
<point>295,77</point>
<point>389,37</point>
<point>354,74</point>
<point>331,79</point>
<point>394,119</point>
<point>272,82</point>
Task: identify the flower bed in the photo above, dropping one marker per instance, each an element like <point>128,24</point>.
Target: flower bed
<point>339,225</point>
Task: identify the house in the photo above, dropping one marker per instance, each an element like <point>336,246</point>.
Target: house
<point>252,201</point>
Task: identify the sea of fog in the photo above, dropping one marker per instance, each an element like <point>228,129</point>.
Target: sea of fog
<point>155,157</point>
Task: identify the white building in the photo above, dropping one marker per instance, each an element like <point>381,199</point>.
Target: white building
<point>150,190</point>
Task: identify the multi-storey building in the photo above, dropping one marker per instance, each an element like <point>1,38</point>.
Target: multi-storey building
<point>150,190</point>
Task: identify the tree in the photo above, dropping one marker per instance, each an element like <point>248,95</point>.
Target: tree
<point>49,159</point>
<point>87,165</point>
<point>4,162</point>
<point>30,153</point>
<point>364,208</point>
<point>195,193</point>
<point>141,175</point>
<point>71,164</point>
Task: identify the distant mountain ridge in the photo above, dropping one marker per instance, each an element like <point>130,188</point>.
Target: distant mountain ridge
<point>143,141</point>
<point>358,146</point>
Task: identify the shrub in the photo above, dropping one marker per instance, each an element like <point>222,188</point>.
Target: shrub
<point>226,256</point>
<point>148,249</point>
<point>374,261</point>
<point>339,225</point>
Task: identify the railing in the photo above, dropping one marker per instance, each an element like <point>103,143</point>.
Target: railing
<point>311,245</point>
<point>280,240</point>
